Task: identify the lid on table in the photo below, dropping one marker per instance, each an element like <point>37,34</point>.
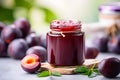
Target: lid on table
<point>110,7</point>
<point>65,25</point>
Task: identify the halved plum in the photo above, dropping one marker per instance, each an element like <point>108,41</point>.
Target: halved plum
<point>31,63</point>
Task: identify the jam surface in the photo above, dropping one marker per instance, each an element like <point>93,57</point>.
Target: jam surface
<point>65,25</point>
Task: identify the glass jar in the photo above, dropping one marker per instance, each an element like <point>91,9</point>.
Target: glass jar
<point>65,43</point>
<point>110,14</point>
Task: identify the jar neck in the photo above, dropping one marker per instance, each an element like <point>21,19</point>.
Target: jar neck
<point>58,32</point>
<point>63,33</point>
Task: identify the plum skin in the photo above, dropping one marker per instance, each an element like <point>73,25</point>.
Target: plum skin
<point>101,43</point>
<point>2,25</point>
<point>10,33</point>
<point>109,67</point>
<point>38,50</point>
<point>17,48</point>
<point>114,45</point>
<point>33,40</point>
<point>23,25</point>
<point>91,52</point>
<point>43,40</point>
<point>3,48</point>
<point>31,63</point>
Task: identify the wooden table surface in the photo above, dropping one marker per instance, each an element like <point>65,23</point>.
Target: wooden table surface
<point>10,69</point>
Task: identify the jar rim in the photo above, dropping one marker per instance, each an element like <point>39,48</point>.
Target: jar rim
<point>65,25</point>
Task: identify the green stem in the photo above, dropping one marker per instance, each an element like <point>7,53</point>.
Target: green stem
<point>93,66</point>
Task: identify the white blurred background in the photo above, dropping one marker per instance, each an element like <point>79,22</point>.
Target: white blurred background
<point>41,12</point>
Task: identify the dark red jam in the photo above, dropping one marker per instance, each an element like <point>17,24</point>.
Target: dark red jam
<point>65,43</point>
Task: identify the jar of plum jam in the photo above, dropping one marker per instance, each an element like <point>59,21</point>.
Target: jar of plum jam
<point>65,43</point>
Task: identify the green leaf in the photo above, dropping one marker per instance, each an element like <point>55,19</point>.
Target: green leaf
<point>92,74</point>
<point>96,71</point>
<point>43,74</point>
<point>48,73</point>
<point>24,3</point>
<point>56,74</point>
<point>86,73</point>
<point>81,69</point>
<point>89,72</point>
<point>49,14</point>
<point>6,15</point>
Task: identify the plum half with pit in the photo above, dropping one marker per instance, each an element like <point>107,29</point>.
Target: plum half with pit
<point>33,40</point>
<point>109,67</point>
<point>91,52</point>
<point>10,33</point>
<point>114,44</point>
<point>38,50</point>
<point>31,63</point>
<point>17,48</point>
<point>24,25</point>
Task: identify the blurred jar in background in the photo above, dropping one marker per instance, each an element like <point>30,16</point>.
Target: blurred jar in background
<point>109,22</point>
<point>109,14</point>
